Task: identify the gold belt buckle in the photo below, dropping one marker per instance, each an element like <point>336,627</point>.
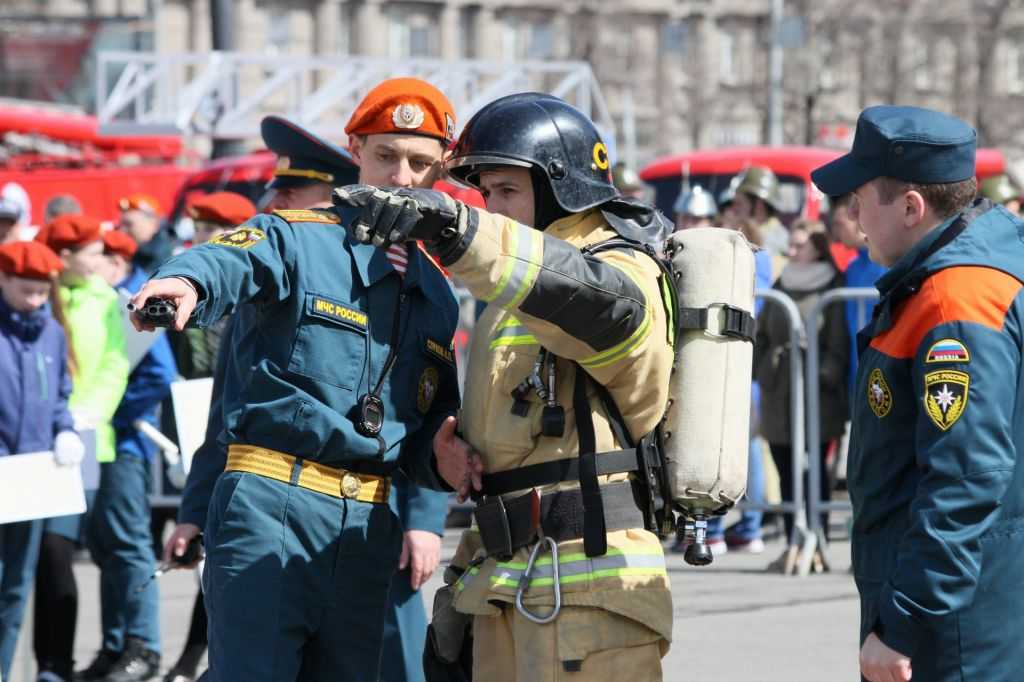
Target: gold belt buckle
<point>350,485</point>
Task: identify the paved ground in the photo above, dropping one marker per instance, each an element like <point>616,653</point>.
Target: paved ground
<point>733,622</point>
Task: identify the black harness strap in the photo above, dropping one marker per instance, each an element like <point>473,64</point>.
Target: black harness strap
<point>557,471</point>
<point>595,542</point>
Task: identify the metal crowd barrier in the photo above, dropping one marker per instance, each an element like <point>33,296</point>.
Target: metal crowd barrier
<point>797,413</point>
<point>863,296</point>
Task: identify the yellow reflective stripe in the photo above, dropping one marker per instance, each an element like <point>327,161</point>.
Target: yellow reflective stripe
<point>581,556</point>
<point>466,578</point>
<point>524,340</point>
<point>666,299</point>
<point>510,263</point>
<point>581,577</point>
<point>532,268</point>
<point>511,321</point>
<point>618,352</point>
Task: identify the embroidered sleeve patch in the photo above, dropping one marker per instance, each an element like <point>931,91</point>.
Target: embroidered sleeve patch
<point>879,394</point>
<point>440,351</point>
<point>308,216</point>
<point>945,396</point>
<point>242,238</point>
<point>948,350</point>
<point>427,390</point>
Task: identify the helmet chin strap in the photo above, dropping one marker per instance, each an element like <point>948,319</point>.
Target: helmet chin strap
<point>546,208</point>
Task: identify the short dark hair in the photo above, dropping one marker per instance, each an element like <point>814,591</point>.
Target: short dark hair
<point>945,199</point>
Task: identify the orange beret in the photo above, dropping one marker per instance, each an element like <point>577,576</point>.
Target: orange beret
<point>140,202</point>
<point>224,208</point>
<point>70,231</point>
<point>404,106</point>
<point>31,260</point>
<point>121,243</point>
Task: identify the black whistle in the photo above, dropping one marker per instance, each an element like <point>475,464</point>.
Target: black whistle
<point>159,312</point>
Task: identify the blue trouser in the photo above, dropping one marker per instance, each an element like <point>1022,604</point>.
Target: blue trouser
<point>117,534</point>
<point>295,582</point>
<point>19,551</point>
<point>749,526</point>
<point>405,632</point>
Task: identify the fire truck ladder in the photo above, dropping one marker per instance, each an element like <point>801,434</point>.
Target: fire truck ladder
<point>226,94</point>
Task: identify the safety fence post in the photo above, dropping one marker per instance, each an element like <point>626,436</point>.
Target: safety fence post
<point>816,505</point>
<point>796,506</point>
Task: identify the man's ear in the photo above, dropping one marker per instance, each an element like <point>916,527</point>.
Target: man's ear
<point>914,209</point>
<point>355,148</point>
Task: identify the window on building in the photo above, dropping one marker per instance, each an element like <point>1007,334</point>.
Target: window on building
<point>527,37</point>
<point>414,32</point>
<point>1012,80</point>
<point>674,37</point>
<point>279,29</point>
<point>727,62</point>
<point>921,65</point>
<point>944,54</point>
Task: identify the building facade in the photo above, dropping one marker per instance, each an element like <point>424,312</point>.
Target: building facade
<point>690,73</point>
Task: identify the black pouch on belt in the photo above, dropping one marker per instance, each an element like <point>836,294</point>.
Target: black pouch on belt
<point>508,525</point>
<point>448,654</point>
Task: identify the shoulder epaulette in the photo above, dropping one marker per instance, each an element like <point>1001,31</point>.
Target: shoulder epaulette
<point>308,216</point>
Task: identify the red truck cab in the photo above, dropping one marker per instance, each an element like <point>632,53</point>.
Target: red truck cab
<point>713,169</point>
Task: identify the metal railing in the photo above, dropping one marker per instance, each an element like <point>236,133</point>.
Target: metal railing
<point>813,379</point>
<point>796,506</point>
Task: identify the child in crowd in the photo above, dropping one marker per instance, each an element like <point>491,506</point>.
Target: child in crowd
<point>96,330</point>
<point>35,382</point>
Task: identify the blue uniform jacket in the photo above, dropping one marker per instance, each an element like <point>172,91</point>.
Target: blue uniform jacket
<point>148,385</point>
<point>323,310</point>
<point>934,474</point>
<point>34,381</point>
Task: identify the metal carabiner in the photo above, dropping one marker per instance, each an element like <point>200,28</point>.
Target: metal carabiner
<point>524,583</point>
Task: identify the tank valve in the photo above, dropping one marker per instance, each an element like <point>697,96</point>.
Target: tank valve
<point>697,551</point>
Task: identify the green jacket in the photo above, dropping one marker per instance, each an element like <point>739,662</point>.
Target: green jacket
<point>97,336</point>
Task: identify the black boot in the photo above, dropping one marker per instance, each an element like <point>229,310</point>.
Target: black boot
<point>136,664</point>
<point>100,666</point>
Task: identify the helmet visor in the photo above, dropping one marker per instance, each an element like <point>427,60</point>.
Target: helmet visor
<point>465,170</point>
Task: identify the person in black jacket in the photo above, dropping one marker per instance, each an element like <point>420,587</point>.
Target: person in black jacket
<point>809,273</point>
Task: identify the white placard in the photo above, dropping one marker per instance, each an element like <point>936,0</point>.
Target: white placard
<point>191,400</point>
<point>32,486</point>
<point>137,343</point>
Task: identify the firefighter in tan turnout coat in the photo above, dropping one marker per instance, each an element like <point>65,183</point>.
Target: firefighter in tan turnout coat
<point>569,370</point>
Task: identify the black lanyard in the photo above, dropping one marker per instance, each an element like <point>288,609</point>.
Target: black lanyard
<point>370,408</point>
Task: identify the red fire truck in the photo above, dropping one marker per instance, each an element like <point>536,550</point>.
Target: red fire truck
<point>712,169</point>
<point>49,151</point>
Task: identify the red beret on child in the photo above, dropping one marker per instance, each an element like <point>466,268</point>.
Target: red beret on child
<point>121,243</point>
<point>70,231</point>
<point>30,260</point>
<point>224,208</point>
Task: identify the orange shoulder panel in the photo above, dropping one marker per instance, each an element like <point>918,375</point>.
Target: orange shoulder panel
<point>958,294</point>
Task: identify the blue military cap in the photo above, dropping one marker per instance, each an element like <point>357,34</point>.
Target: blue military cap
<point>303,157</point>
<point>907,143</point>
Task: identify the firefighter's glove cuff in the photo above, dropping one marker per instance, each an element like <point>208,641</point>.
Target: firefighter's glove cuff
<point>395,216</point>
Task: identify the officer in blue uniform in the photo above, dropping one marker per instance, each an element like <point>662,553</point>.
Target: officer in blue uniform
<point>342,377</point>
<point>934,474</point>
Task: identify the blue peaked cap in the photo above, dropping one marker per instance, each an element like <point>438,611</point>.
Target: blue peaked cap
<point>907,143</point>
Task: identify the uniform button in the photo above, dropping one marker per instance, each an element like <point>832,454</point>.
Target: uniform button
<point>898,150</point>
<point>350,485</point>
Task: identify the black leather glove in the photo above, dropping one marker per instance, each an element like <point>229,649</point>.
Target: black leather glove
<point>394,216</point>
